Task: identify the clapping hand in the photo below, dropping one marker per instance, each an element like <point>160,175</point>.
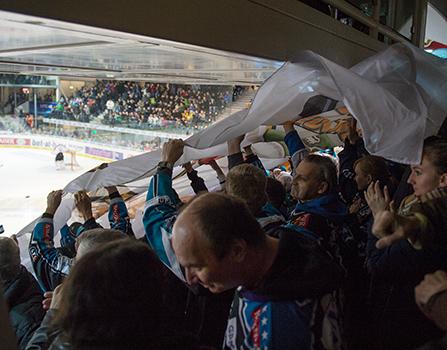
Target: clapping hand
<point>377,199</point>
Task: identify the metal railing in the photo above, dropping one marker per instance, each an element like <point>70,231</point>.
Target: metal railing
<point>373,23</point>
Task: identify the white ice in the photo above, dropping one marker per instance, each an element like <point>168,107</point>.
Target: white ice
<point>26,177</point>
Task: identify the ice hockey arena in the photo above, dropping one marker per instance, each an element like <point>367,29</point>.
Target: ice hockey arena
<point>237,175</point>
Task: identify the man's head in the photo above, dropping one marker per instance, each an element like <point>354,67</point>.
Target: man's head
<point>211,239</point>
<point>9,259</point>
<point>92,239</point>
<point>247,183</point>
<point>126,271</point>
<point>315,176</point>
<point>368,169</point>
<point>275,192</point>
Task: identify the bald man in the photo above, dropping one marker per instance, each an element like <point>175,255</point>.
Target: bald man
<point>283,285</point>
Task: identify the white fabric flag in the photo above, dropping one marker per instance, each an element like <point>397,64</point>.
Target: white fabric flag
<point>398,96</point>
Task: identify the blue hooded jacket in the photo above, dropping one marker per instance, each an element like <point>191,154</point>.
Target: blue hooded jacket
<point>324,218</point>
<point>329,206</point>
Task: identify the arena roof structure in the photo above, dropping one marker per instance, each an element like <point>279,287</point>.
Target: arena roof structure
<point>34,46</point>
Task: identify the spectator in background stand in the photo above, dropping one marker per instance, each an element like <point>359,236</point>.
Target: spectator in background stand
<point>179,106</point>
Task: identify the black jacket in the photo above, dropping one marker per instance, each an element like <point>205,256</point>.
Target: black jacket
<point>24,299</point>
<point>51,338</point>
<point>395,271</point>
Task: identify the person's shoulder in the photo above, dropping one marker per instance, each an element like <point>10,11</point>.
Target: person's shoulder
<point>309,221</point>
<point>292,237</point>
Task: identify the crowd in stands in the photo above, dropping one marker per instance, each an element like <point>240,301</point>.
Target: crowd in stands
<point>147,106</point>
<point>320,256</point>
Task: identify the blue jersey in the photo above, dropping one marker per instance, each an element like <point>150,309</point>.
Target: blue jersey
<point>118,215</point>
<point>49,264</point>
<point>160,213</point>
<point>259,323</point>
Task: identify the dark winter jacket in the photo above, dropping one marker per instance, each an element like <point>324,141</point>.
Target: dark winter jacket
<point>438,344</point>
<point>295,306</point>
<point>24,299</point>
<point>320,216</point>
<point>395,272</point>
<point>49,337</point>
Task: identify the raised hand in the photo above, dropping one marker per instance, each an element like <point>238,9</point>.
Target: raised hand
<point>355,206</point>
<point>188,167</point>
<point>53,201</point>
<point>377,199</point>
<point>288,126</point>
<point>46,302</point>
<point>83,204</point>
<point>391,228</point>
<point>353,135</point>
<point>234,145</point>
<point>432,284</point>
<point>172,151</point>
<point>57,297</point>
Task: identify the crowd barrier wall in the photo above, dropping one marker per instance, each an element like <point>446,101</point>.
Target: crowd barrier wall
<point>82,148</point>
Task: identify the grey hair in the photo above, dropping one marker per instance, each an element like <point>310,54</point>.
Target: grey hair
<point>327,170</point>
<point>98,237</point>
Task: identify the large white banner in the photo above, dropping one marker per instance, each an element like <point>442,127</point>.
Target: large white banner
<point>398,96</point>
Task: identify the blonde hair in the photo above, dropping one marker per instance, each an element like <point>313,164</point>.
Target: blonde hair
<point>248,183</point>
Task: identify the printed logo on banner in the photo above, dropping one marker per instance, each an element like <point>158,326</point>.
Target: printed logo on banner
<point>7,141</point>
<point>14,141</point>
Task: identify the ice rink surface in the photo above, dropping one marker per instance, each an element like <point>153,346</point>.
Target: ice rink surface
<point>26,177</point>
